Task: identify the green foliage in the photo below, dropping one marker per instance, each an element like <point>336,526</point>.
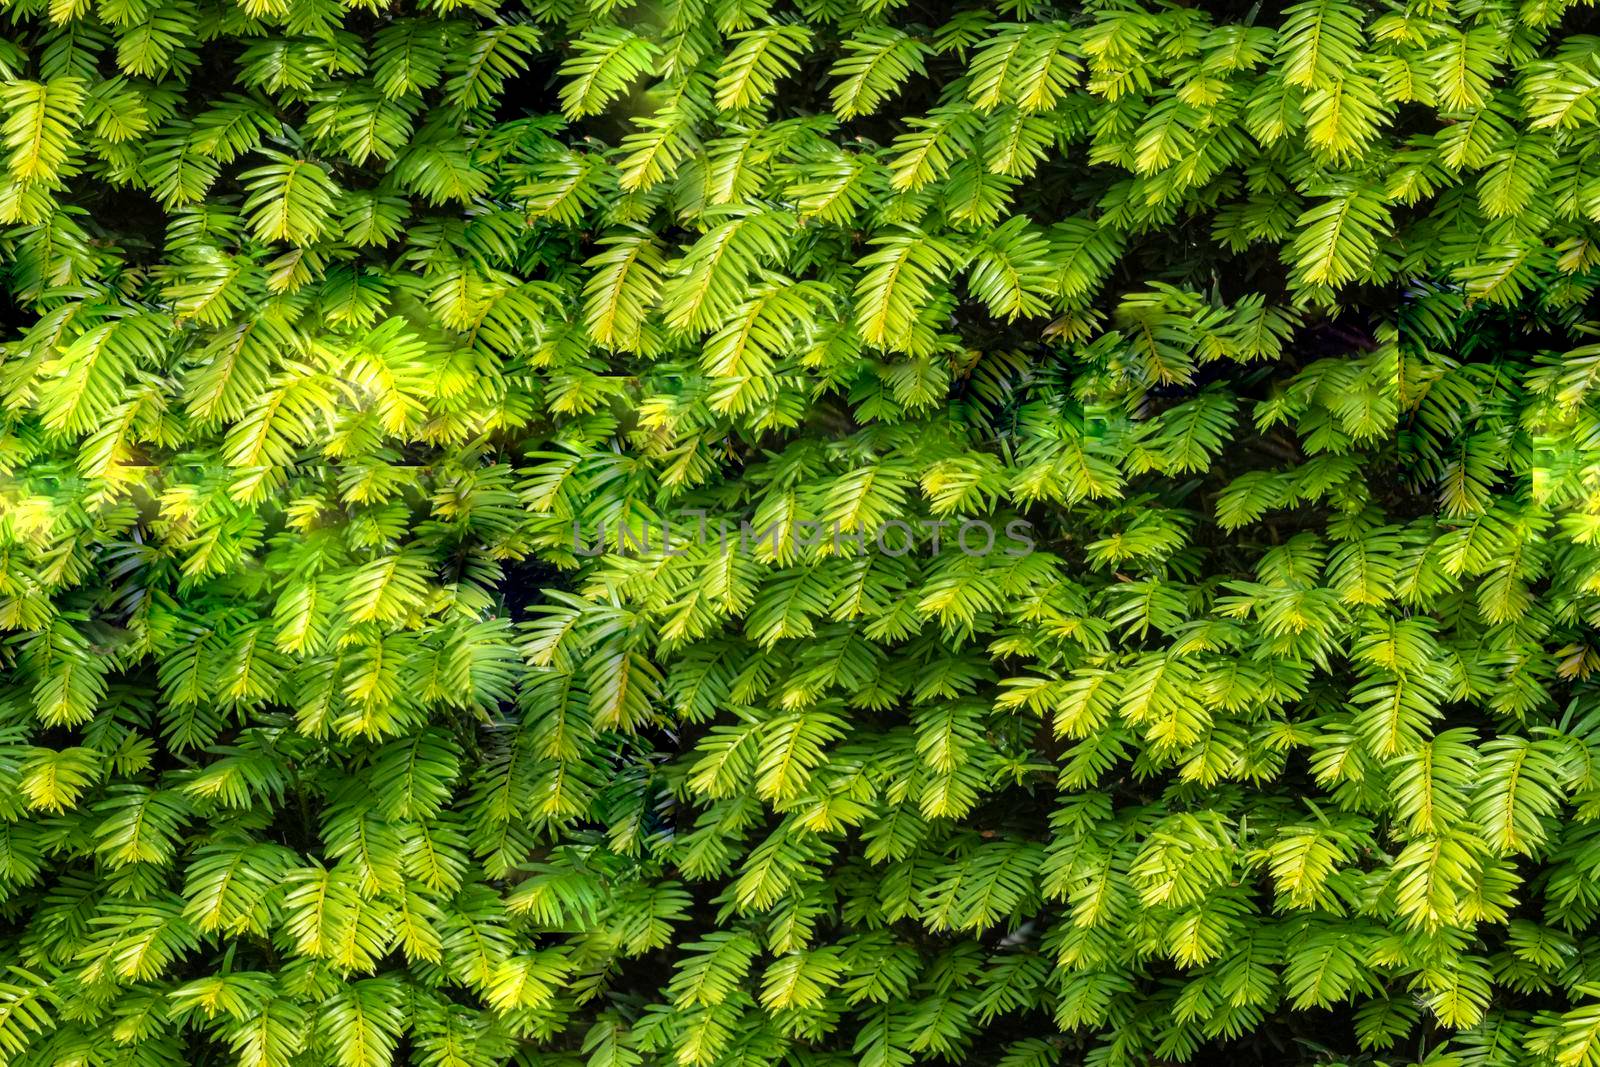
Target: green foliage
<point>336,333</point>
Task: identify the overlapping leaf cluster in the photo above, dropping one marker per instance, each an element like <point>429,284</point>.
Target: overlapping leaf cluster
<point>338,331</point>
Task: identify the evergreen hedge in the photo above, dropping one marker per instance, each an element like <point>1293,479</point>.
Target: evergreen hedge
<point>1135,474</point>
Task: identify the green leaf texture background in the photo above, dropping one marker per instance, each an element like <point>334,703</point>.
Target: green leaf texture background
<point>327,325</point>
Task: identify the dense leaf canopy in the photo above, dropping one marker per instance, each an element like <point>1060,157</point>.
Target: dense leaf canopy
<point>337,333</point>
